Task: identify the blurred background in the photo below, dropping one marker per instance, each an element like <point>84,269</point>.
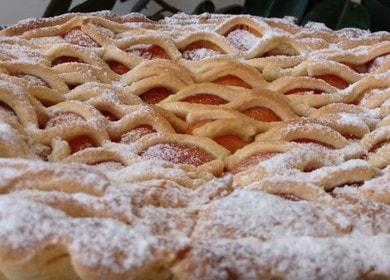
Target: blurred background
<point>336,14</point>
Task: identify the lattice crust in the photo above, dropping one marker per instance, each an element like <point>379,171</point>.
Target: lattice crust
<point>195,147</point>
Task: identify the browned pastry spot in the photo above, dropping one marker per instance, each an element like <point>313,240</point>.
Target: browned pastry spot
<point>178,153</point>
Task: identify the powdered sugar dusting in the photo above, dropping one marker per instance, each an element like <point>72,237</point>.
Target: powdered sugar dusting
<point>78,37</point>
<point>201,53</point>
<point>242,39</point>
<point>140,202</point>
<point>178,153</point>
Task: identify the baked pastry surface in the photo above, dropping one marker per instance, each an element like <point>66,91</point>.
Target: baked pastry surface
<point>195,147</point>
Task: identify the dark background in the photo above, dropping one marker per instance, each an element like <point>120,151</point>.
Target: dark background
<point>336,14</point>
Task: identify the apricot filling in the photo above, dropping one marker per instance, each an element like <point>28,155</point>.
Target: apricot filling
<point>65,59</point>
<point>365,67</point>
<point>365,95</point>
<point>118,67</point>
<point>136,133</point>
<point>300,91</point>
<point>242,37</point>
<point>63,119</point>
<point>73,86</point>
<point>276,52</point>
<point>6,108</point>
<point>262,114</point>
<point>200,50</point>
<point>80,143</point>
<point>109,116</point>
<point>230,80</point>
<point>155,95</point>
<point>231,142</point>
<point>205,99</point>
<point>178,153</point>
<point>333,80</point>
<point>78,37</point>
<point>243,27</point>
<point>148,51</point>
<point>378,145</point>
<point>252,161</point>
<point>359,68</point>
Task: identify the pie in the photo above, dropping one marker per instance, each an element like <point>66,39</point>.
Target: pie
<point>194,147</point>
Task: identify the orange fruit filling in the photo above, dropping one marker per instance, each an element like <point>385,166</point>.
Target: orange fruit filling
<point>80,143</point>
<point>78,37</point>
<point>63,119</point>
<point>333,80</point>
<point>378,145</point>
<point>200,49</point>
<point>109,116</point>
<point>252,161</point>
<point>178,153</point>
<point>148,51</point>
<point>5,108</point>
<point>364,67</point>
<point>359,68</point>
<point>230,80</point>
<point>65,59</point>
<point>155,95</point>
<point>262,114</point>
<point>300,91</point>
<point>231,142</point>
<point>136,133</point>
<point>205,99</point>
<point>118,67</point>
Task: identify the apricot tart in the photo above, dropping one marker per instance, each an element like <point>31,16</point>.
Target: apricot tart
<point>194,147</point>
